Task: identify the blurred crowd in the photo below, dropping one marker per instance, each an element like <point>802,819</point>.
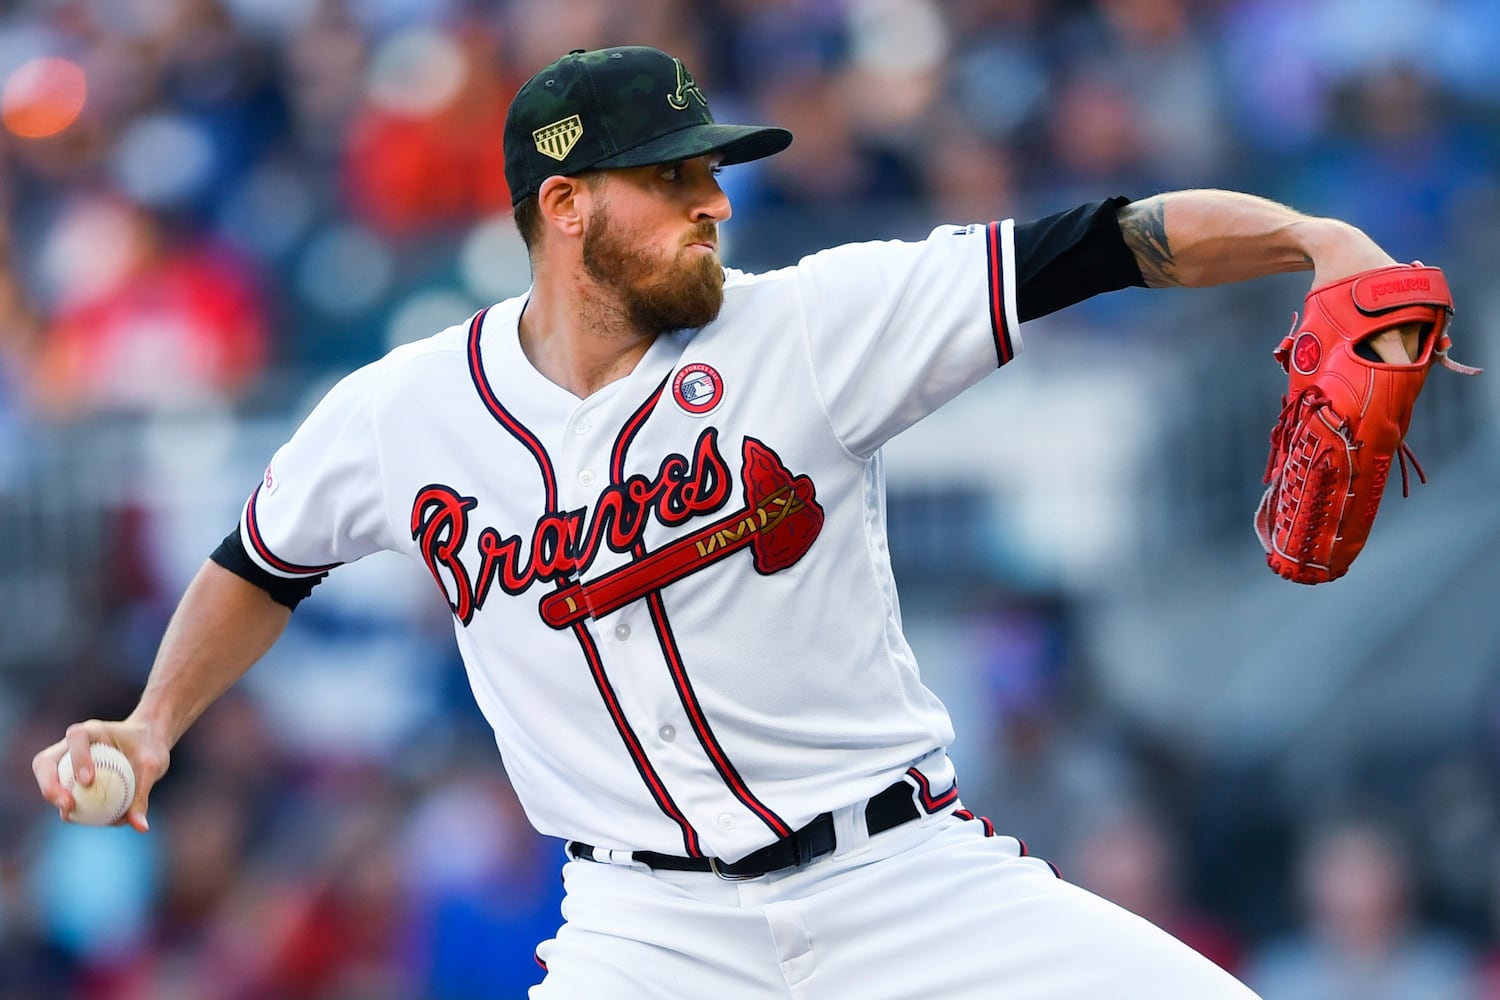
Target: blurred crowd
<point>212,206</point>
<point>198,191</point>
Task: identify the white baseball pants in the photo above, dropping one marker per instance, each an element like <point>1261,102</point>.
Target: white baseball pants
<point>933,908</point>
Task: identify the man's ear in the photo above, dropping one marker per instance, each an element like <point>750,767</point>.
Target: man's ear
<point>564,203</point>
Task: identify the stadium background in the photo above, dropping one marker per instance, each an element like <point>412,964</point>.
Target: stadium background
<point>210,209</point>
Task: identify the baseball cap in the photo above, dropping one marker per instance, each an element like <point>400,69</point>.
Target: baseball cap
<point>627,106</point>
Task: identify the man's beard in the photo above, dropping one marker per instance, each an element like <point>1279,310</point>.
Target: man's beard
<point>687,296</point>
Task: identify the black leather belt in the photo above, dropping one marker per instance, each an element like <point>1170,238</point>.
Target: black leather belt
<point>885,811</point>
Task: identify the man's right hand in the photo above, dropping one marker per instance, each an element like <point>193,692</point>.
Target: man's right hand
<point>149,756</point>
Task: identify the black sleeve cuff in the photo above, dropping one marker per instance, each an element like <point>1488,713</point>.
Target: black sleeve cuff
<point>232,556</point>
<point>1065,258</point>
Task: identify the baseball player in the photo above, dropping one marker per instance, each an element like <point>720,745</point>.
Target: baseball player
<point>650,490</point>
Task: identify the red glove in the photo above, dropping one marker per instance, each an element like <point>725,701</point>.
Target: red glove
<point>1345,416</point>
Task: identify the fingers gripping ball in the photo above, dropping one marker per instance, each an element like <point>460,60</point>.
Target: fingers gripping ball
<point>106,800</point>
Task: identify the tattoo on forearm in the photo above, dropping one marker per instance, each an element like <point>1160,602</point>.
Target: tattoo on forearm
<point>1144,225</point>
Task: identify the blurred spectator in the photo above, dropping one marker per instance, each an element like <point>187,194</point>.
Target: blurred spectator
<point>1132,858</point>
<point>33,962</point>
<point>142,322</point>
<point>324,65</point>
<point>1153,52</point>
<point>480,881</point>
<point>1052,774</point>
<point>425,149</point>
<point>1277,82</point>
<point>14,439</point>
<point>975,178</point>
<point>336,931</point>
<point>1003,75</point>
<point>1395,148</point>
<point>1363,937</point>
<point>830,162</point>
<point>1096,136</point>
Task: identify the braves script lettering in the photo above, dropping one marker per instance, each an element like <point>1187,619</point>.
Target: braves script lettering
<point>562,543</point>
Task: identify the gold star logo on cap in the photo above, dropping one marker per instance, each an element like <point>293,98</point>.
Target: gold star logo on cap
<point>558,139</point>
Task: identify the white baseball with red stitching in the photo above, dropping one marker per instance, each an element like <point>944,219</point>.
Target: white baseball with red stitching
<point>106,800</point>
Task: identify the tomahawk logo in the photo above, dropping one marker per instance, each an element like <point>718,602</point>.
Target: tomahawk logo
<point>778,523</point>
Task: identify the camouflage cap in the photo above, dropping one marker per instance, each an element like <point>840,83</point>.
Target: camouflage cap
<point>620,107</point>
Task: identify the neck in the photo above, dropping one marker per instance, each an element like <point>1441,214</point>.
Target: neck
<point>578,336</point>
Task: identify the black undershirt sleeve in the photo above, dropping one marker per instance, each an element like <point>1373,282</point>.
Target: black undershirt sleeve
<point>232,556</point>
<point>1071,256</point>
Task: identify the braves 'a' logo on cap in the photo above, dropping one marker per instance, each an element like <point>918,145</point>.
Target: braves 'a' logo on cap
<point>698,389</point>
<point>687,89</point>
<point>558,139</point>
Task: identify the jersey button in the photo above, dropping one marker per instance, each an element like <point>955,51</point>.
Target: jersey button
<point>667,734</point>
<point>622,632</point>
<point>582,427</point>
<point>586,478</point>
<point>726,821</point>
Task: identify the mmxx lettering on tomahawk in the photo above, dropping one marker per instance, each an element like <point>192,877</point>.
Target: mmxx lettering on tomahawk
<point>779,522</point>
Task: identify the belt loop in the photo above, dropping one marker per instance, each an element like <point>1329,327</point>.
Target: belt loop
<point>850,832</point>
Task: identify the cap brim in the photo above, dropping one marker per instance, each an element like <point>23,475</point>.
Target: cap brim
<point>737,144</point>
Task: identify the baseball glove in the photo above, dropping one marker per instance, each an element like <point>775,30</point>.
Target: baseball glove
<point>1345,416</point>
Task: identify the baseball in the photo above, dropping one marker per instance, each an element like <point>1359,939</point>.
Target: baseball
<point>107,799</point>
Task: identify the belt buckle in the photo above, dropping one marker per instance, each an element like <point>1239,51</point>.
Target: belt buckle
<point>713,866</point>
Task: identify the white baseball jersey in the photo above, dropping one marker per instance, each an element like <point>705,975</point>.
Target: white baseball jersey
<point>673,597</point>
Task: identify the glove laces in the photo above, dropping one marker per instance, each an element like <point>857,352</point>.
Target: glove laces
<point>1310,398</point>
<point>1313,398</point>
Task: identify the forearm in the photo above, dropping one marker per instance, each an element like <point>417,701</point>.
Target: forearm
<point>1200,238</point>
<point>1205,237</point>
<point>222,626</point>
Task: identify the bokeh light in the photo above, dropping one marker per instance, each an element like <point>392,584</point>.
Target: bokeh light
<point>43,97</point>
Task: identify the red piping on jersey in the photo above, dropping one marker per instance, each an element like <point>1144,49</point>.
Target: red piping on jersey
<point>932,803</point>
<point>632,743</point>
<point>690,704</point>
<point>989,828</point>
<point>1004,349</point>
<point>694,709</point>
<point>630,430</point>
<point>487,393</point>
<point>654,784</point>
<point>261,549</point>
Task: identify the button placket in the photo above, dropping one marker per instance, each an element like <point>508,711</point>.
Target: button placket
<point>581,452</point>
